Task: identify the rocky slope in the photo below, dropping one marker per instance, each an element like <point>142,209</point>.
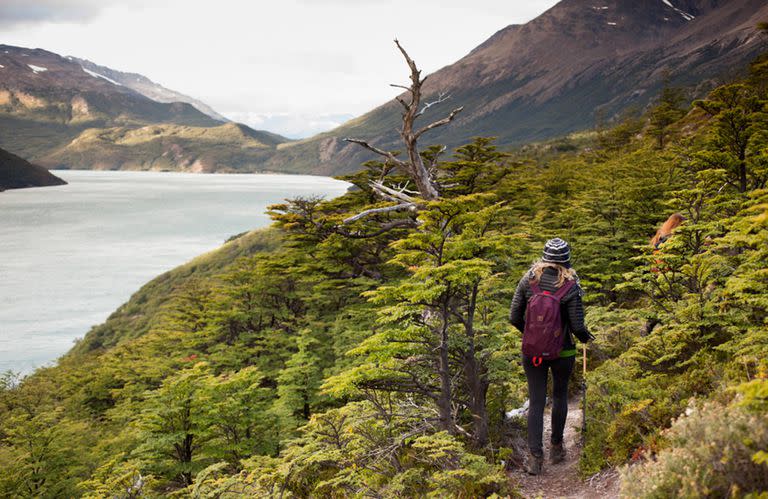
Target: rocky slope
<point>64,112</point>
<point>40,85</point>
<point>146,87</point>
<point>552,75</point>
<point>18,173</point>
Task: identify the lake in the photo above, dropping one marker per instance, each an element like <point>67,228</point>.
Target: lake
<point>70,255</point>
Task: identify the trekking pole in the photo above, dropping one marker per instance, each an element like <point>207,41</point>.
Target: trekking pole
<point>584,392</point>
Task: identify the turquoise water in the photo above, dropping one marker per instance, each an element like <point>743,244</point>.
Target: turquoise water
<point>70,255</point>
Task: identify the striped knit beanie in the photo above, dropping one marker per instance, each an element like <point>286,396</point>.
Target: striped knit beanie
<point>557,251</point>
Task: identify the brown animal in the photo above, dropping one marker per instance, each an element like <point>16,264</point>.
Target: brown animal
<point>666,229</point>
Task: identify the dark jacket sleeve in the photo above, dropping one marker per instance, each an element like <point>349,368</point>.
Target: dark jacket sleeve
<point>575,309</point>
<point>519,302</point>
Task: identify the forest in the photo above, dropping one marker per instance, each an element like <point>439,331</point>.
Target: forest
<point>361,346</point>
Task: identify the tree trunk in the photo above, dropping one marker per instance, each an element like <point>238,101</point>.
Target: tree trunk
<point>476,378</point>
<point>742,176</point>
<point>444,401</point>
<point>477,389</point>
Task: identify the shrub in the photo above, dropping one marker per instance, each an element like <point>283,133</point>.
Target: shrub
<point>715,451</point>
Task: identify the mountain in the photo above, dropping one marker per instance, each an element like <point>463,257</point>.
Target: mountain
<point>146,87</point>
<point>64,112</point>
<point>18,173</point>
<point>46,100</point>
<point>40,85</point>
<point>557,73</point>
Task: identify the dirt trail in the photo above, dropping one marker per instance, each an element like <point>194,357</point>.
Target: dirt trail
<point>562,480</point>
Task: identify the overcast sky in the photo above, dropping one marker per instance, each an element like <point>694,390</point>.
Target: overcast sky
<point>294,67</point>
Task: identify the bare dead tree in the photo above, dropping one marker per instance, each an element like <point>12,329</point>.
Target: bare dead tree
<point>422,175</point>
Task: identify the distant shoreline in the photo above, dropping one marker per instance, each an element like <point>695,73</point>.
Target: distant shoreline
<point>269,172</point>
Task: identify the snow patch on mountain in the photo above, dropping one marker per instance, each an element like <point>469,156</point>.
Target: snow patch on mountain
<point>685,15</point>
<point>37,69</point>
<point>97,75</point>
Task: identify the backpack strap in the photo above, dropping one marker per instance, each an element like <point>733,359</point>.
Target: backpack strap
<point>535,287</point>
<point>560,293</point>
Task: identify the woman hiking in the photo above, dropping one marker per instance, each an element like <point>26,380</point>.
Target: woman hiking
<point>547,309</point>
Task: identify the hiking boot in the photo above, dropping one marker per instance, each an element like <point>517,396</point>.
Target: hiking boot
<point>534,464</point>
<point>557,453</point>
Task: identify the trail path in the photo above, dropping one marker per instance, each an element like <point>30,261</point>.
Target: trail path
<point>562,480</point>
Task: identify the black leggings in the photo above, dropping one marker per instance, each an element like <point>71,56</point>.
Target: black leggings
<point>537,395</point>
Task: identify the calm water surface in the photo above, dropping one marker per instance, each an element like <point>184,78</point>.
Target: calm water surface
<point>70,255</point>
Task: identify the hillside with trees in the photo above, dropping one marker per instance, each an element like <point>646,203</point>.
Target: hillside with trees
<point>361,346</point>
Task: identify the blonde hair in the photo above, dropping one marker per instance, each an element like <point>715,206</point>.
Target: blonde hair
<point>563,273</point>
<point>674,221</point>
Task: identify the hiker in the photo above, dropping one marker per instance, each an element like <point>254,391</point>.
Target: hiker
<point>665,231</point>
<point>550,291</point>
<point>662,235</point>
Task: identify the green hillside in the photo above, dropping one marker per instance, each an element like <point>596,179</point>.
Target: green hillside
<point>230,147</point>
<point>330,357</point>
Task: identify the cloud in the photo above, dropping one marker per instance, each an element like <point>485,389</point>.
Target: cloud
<point>35,11</point>
<point>306,59</point>
<point>26,12</point>
<point>293,126</point>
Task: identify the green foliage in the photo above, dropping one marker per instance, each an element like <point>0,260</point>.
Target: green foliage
<point>298,385</point>
<point>40,447</point>
<point>622,132</point>
<point>429,318</point>
<point>667,112</point>
<point>171,426</point>
<point>352,451</point>
<point>344,356</point>
<point>706,287</point>
<point>117,478</point>
<point>738,138</point>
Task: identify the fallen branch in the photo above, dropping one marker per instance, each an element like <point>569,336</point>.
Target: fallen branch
<point>385,191</point>
<point>385,209</point>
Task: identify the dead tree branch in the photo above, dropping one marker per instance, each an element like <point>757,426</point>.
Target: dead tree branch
<point>421,175</point>
<point>378,151</point>
<point>442,97</point>
<point>385,209</point>
<point>438,123</point>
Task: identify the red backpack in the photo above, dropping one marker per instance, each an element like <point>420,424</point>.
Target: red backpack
<point>543,333</point>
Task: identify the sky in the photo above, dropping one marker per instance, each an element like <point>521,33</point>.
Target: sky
<point>294,67</point>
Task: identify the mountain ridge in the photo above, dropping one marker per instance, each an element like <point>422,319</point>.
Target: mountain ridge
<point>68,113</point>
<point>549,77</point>
<point>147,87</point>
<point>522,84</point>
